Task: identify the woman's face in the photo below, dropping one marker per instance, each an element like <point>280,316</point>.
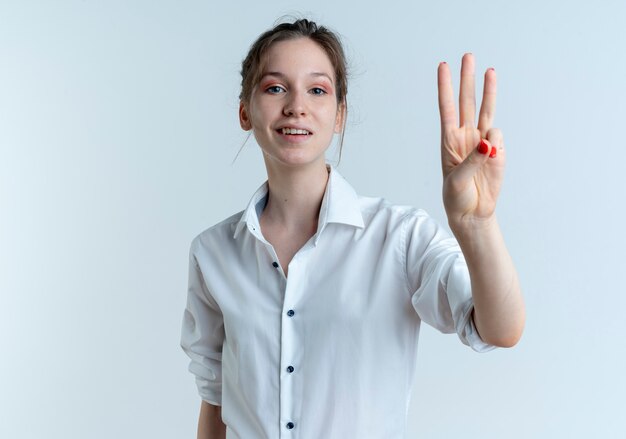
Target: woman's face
<point>293,110</point>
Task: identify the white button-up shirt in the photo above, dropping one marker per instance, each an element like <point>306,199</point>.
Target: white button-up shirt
<point>329,351</point>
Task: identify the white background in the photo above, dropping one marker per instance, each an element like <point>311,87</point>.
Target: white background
<point>118,127</point>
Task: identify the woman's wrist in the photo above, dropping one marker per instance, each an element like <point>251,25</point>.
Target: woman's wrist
<point>469,229</point>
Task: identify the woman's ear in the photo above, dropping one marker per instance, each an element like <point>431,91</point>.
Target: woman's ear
<point>340,120</point>
<point>244,119</point>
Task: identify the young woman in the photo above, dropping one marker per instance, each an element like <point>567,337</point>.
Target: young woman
<point>304,309</point>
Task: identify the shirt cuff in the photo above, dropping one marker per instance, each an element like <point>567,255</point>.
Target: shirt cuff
<point>466,329</point>
<point>208,391</point>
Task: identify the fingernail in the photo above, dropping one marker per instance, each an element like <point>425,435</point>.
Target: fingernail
<point>494,150</point>
<point>483,148</point>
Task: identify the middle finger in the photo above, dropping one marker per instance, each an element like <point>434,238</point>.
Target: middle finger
<point>467,97</point>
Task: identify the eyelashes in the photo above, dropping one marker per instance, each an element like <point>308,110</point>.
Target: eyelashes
<point>276,89</point>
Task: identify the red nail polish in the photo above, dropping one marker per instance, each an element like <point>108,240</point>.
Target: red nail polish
<point>483,148</point>
<point>493,152</point>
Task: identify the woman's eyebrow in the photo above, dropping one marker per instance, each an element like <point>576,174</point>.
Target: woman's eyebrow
<point>283,76</point>
<point>280,75</point>
<point>323,74</point>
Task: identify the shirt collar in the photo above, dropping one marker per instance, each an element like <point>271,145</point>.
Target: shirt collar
<point>339,205</point>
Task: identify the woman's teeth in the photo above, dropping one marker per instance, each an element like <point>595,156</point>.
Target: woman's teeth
<point>294,131</point>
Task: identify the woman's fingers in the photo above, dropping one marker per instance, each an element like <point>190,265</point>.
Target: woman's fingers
<point>495,138</point>
<point>467,95</point>
<point>447,112</point>
<point>488,105</point>
<point>464,172</point>
<point>467,98</point>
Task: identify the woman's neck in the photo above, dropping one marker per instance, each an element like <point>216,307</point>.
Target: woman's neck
<point>295,196</point>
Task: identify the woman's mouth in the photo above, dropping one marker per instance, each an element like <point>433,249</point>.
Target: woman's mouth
<point>294,136</point>
<point>294,132</point>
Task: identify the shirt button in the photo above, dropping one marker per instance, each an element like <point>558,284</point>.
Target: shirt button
<point>275,264</point>
<point>290,369</point>
<point>290,313</point>
<point>290,425</point>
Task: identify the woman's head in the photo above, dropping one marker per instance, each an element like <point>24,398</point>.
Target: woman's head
<point>254,65</point>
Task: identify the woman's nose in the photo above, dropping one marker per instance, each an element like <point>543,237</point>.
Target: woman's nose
<point>294,106</point>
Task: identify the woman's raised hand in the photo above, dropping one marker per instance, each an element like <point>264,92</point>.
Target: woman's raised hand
<point>472,158</point>
<point>473,167</point>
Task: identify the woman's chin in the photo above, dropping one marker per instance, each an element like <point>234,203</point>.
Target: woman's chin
<point>294,158</point>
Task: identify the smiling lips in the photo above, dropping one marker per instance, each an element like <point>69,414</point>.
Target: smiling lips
<point>295,131</point>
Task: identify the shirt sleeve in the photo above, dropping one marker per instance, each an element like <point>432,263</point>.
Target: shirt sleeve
<point>202,335</point>
<point>438,279</point>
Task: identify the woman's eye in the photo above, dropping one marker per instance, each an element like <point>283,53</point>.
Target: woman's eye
<point>318,91</point>
<point>274,89</point>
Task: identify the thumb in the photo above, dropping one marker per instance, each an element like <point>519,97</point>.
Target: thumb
<point>466,170</point>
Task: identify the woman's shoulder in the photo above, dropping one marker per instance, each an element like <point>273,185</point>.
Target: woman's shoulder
<point>218,233</point>
<point>379,207</point>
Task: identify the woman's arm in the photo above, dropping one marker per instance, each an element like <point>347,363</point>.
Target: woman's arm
<point>473,161</point>
<point>499,313</point>
<point>210,425</point>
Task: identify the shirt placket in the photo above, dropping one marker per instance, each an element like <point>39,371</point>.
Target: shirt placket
<point>291,343</point>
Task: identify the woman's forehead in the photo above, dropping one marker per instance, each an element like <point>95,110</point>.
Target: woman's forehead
<point>302,57</point>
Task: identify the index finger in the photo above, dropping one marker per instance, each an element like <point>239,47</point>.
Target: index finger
<point>447,111</point>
